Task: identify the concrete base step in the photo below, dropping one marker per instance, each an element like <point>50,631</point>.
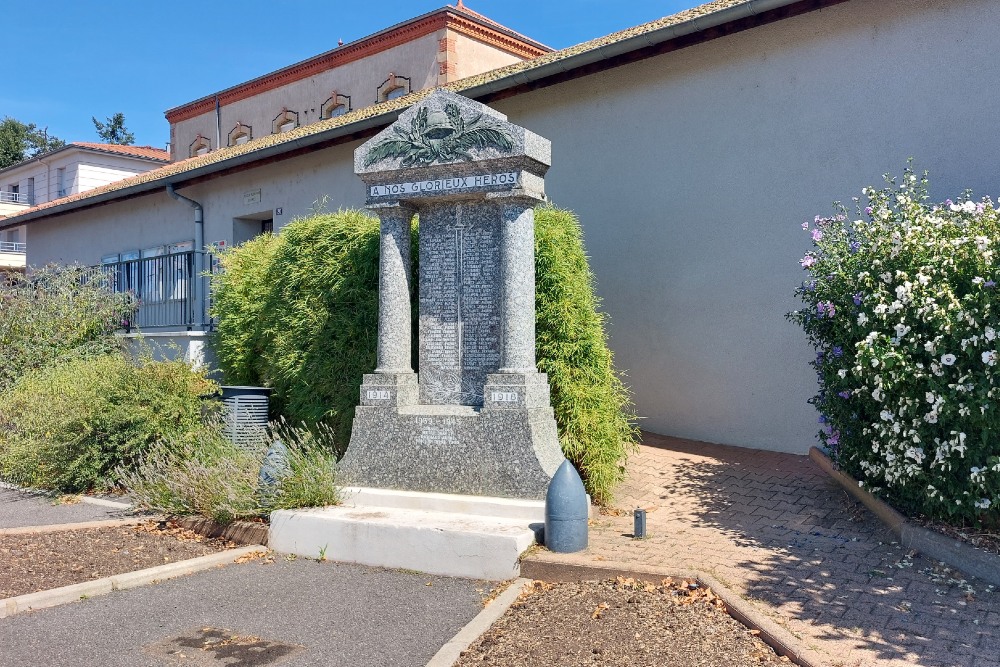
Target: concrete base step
<point>414,531</point>
<point>498,508</point>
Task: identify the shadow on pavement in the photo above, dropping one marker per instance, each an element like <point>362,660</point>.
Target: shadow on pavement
<point>796,540</point>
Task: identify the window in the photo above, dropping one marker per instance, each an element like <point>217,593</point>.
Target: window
<point>240,134</point>
<point>335,105</point>
<point>31,191</point>
<point>286,121</point>
<point>392,88</point>
<point>61,182</point>
<point>200,146</point>
<point>267,226</point>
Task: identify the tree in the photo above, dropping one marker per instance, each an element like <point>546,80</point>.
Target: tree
<point>21,141</point>
<point>114,131</point>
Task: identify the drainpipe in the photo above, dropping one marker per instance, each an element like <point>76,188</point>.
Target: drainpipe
<point>199,254</point>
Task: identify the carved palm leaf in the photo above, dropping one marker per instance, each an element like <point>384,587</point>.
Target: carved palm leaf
<point>455,117</point>
<point>481,137</point>
<point>390,148</point>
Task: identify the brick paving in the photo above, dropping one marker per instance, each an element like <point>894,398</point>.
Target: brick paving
<point>779,532</point>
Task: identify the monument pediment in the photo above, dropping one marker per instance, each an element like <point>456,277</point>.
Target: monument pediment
<point>450,145</point>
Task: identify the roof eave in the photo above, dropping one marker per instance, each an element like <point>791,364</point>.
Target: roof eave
<point>41,157</point>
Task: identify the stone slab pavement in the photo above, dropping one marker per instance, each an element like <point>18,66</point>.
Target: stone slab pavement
<point>291,613</point>
<point>779,532</point>
<point>19,509</point>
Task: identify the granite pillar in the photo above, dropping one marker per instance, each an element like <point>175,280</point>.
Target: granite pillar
<point>394,327</point>
<point>517,262</point>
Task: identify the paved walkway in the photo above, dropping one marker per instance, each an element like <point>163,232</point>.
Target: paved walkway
<point>25,508</point>
<point>295,613</point>
<point>781,533</point>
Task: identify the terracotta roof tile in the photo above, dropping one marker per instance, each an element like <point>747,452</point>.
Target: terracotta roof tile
<point>134,151</point>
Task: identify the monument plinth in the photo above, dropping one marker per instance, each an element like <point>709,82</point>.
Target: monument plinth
<point>477,418</point>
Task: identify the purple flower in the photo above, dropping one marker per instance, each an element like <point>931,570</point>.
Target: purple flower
<point>805,225</point>
<point>854,246</point>
<point>822,419</point>
<point>826,307</point>
<point>844,394</point>
<point>807,261</point>
<point>857,298</point>
<point>948,202</point>
<point>817,234</point>
<point>990,283</point>
<point>838,351</point>
<point>868,210</point>
<point>833,438</point>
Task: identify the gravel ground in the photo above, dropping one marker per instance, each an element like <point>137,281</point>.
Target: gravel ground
<point>41,561</point>
<point>622,622</point>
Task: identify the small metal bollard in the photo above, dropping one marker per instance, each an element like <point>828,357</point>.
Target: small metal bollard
<point>639,524</point>
<point>566,511</point>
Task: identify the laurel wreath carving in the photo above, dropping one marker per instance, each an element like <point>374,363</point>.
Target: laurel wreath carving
<point>449,140</point>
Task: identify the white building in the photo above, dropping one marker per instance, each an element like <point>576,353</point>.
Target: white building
<point>63,172</point>
<point>691,148</point>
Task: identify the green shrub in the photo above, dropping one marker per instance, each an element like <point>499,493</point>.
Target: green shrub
<point>53,312</point>
<point>205,474</point>
<point>593,407</point>
<point>299,313</point>
<point>70,425</point>
<point>900,305</point>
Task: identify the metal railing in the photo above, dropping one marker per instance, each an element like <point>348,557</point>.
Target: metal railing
<point>15,198</point>
<point>12,246</point>
<point>163,289</point>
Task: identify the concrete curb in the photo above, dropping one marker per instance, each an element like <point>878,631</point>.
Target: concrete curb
<point>772,634</point>
<point>74,592</point>
<point>452,651</point>
<point>240,532</point>
<point>82,525</point>
<point>105,503</point>
<point>956,553</point>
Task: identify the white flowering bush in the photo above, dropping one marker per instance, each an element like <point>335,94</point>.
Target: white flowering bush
<point>902,307</point>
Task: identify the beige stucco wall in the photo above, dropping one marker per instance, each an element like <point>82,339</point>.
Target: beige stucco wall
<point>359,79</point>
<point>474,57</point>
<point>153,220</point>
<point>691,173</point>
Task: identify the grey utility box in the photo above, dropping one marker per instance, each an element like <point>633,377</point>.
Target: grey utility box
<point>244,414</point>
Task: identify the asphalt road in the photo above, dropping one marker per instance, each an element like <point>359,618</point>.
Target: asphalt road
<point>291,612</point>
<point>23,508</point>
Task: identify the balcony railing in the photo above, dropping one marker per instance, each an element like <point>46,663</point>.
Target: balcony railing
<point>163,288</point>
<point>11,246</point>
<point>15,198</point>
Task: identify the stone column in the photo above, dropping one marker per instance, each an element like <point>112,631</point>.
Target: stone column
<point>517,265</point>
<point>394,329</point>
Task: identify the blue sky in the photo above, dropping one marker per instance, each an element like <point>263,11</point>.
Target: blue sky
<point>83,59</point>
